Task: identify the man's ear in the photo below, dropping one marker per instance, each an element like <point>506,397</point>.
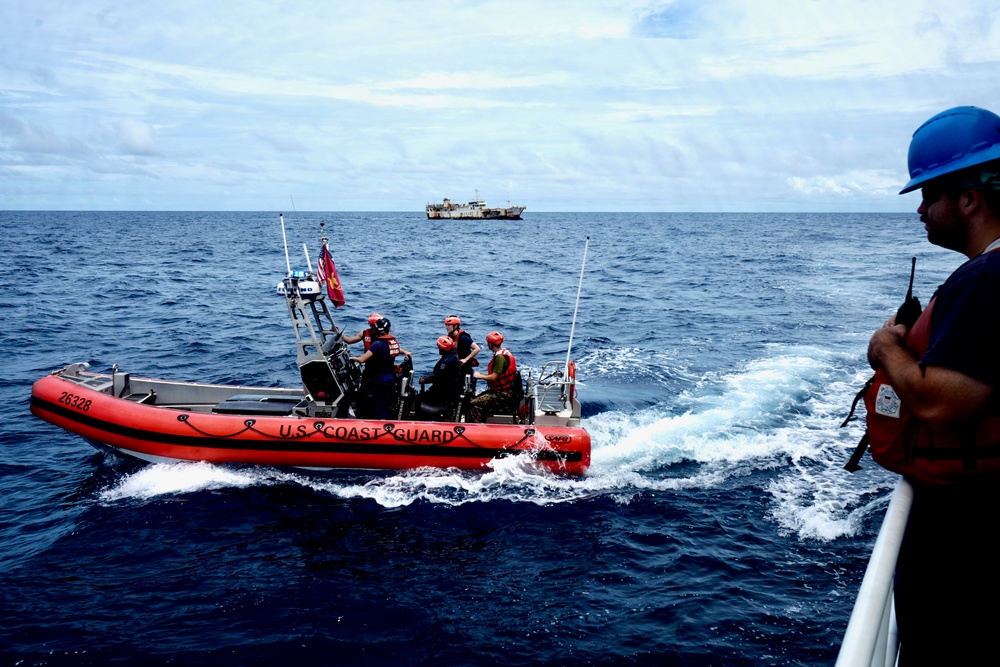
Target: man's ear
<point>970,200</point>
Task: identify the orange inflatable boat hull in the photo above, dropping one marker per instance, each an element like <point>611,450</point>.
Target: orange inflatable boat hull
<point>155,433</point>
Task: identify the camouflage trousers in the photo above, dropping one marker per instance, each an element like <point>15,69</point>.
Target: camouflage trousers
<point>491,403</point>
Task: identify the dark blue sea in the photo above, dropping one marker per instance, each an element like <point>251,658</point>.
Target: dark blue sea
<point>717,355</point>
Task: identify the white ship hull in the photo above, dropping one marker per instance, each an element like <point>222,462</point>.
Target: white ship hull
<point>475,209</point>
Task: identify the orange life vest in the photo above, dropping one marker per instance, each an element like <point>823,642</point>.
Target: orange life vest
<point>393,344</point>
<point>904,444</point>
<point>506,378</point>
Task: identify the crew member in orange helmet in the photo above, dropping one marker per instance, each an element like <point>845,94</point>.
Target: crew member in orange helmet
<point>501,381</point>
<point>366,335</point>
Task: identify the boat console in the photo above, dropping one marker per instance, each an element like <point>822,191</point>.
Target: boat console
<point>329,377</point>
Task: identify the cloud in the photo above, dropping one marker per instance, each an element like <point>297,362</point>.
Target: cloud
<point>847,184</point>
<point>43,76</point>
<point>573,104</point>
<point>283,144</point>
<point>23,136</point>
<point>135,137</point>
<point>677,20</point>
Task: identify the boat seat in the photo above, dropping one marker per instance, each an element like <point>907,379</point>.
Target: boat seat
<point>501,419</point>
<point>517,413</point>
<point>513,411</point>
<point>258,404</point>
<point>435,413</point>
<point>449,412</point>
<point>149,398</point>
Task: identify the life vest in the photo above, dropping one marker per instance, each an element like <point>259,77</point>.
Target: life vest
<point>506,379</point>
<point>366,338</point>
<point>902,443</point>
<point>393,344</point>
<point>382,367</point>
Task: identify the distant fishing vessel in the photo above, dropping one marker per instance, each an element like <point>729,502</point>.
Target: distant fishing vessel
<point>474,209</point>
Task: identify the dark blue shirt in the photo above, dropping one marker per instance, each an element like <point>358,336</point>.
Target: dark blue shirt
<point>445,379</point>
<point>380,367</point>
<point>964,324</point>
<point>463,348</point>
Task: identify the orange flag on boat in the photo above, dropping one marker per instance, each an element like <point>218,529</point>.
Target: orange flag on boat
<point>328,275</point>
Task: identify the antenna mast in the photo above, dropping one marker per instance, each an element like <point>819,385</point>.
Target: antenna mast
<point>572,328</point>
<point>284,240</point>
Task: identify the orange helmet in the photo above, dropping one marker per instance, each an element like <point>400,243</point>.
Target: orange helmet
<point>494,338</point>
<point>452,319</point>
<point>373,318</point>
<point>445,343</point>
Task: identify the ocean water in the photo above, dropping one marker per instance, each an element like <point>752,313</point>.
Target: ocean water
<point>717,355</point>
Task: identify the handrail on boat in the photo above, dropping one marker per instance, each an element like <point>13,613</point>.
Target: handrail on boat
<point>871,637</point>
<point>551,389</point>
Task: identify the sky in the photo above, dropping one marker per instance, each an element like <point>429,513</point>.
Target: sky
<point>558,105</point>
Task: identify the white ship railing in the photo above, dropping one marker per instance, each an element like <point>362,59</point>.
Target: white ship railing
<point>871,637</point>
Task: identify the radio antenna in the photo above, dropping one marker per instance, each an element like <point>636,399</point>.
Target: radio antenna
<point>576,308</point>
<point>284,239</point>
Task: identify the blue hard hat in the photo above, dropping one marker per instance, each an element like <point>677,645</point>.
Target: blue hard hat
<point>952,140</point>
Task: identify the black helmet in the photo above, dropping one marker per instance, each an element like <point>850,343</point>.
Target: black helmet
<point>382,326</point>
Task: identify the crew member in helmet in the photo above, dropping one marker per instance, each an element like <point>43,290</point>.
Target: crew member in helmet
<point>378,379</point>
<point>445,380</point>
<point>501,392</point>
<point>465,347</point>
<point>366,335</point>
<point>933,408</point>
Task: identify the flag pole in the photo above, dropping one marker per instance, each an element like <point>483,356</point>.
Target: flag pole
<point>572,328</point>
<point>327,271</point>
<point>322,243</point>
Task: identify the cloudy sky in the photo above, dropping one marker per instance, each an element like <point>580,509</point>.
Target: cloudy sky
<point>562,105</point>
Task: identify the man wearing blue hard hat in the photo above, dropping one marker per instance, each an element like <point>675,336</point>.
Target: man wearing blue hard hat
<point>933,412</point>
